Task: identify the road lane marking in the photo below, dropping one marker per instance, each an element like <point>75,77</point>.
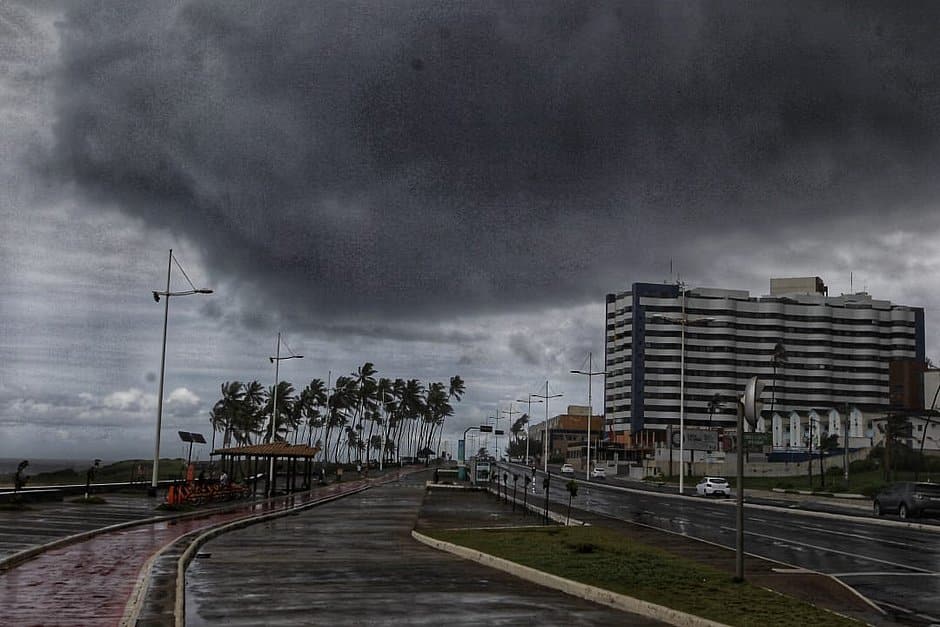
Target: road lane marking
<point>890,573</point>
<point>879,541</point>
<point>831,550</point>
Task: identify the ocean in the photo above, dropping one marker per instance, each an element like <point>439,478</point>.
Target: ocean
<point>8,465</point>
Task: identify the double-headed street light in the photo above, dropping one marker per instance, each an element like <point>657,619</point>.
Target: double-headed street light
<point>590,375</point>
<point>166,314</point>
<point>276,360</point>
<point>684,321</point>
<point>509,415</point>
<point>546,397</point>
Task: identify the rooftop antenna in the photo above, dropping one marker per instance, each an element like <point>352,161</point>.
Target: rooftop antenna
<point>851,281</point>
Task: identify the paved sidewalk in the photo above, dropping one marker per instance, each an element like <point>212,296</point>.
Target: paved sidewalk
<point>353,562</point>
<point>90,582</point>
<point>52,520</point>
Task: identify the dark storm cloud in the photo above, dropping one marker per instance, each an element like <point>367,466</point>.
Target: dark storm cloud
<point>381,160</point>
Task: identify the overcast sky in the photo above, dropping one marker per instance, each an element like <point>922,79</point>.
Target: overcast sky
<point>438,188</point>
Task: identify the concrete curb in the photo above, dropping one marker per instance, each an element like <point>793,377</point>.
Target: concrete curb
<point>828,495</point>
<point>574,588</point>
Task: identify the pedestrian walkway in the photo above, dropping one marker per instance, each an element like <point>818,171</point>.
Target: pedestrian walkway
<point>354,562</point>
<point>46,521</point>
<point>90,582</point>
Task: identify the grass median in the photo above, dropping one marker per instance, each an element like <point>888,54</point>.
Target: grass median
<point>605,559</point>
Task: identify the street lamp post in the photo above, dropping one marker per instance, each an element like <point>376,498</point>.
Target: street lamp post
<point>546,397</point>
<point>276,360</point>
<point>166,314</point>
<point>590,375</point>
<point>683,321</point>
<point>529,414</point>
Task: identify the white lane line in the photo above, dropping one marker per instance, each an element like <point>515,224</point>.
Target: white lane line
<point>890,573</point>
<point>896,608</point>
<point>756,519</point>
<point>878,541</point>
<point>831,550</point>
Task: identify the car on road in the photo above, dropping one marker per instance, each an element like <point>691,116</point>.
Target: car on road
<point>567,469</point>
<point>908,499</point>
<point>599,472</point>
<point>713,486</point>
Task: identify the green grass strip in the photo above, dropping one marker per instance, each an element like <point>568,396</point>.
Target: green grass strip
<point>605,559</point>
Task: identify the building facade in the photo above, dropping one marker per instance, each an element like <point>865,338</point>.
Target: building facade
<point>564,430</point>
<point>833,373</point>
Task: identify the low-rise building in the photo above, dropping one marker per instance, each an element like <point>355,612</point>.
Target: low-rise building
<point>568,430</point>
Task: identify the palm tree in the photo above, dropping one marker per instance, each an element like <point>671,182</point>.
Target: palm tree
<point>713,406</point>
<point>285,404</point>
<point>364,378</point>
<point>312,398</point>
<point>337,413</point>
<point>411,407</point>
<point>778,358</point>
<point>455,391</point>
<point>224,414</point>
<point>438,408</point>
<point>456,387</point>
<point>385,399</point>
<point>251,413</point>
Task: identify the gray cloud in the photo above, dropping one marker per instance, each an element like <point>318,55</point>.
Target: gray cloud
<point>361,161</point>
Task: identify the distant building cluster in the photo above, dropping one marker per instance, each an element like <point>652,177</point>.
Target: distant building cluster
<point>835,364</point>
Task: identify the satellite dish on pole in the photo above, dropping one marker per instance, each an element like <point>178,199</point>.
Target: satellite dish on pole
<point>751,401</point>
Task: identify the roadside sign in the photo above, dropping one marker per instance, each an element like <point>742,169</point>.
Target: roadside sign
<point>697,439</point>
<point>486,428</point>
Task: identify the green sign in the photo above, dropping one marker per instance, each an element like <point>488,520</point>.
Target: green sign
<point>757,441</point>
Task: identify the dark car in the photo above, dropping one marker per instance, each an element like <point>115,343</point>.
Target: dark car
<point>908,499</point>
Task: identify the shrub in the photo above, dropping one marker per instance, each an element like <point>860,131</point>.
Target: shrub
<point>871,489</point>
<point>863,465</point>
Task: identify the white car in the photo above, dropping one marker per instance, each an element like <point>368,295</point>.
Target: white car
<point>599,472</point>
<point>713,486</point>
<point>567,469</point>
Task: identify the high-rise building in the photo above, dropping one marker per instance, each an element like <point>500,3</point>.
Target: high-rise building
<point>836,356</point>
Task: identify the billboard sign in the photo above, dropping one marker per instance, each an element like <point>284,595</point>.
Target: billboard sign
<point>697,439</point>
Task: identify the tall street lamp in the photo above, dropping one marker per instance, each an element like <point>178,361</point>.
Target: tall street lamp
<point>166,313</point>
<point>528,420</point>
<point>276,360</point>
<point>684,321</point>
<point>590,375</point>
<point>546,397</point>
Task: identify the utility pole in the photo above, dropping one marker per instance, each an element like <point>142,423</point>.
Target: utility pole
<point>546,397</point>
<point>527,422</point>
<point>509,415</point>
<point>590,375</point>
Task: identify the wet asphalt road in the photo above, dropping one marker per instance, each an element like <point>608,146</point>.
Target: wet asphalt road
<point>354,562</point>
<point>895,566</point>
